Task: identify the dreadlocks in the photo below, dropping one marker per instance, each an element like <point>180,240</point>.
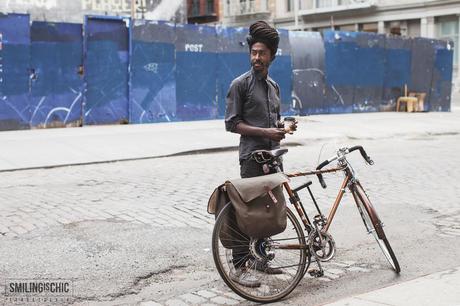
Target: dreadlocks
<point>260,31</point>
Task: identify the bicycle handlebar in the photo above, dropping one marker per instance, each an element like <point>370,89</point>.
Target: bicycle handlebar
<point>328,161</point>
<point>320,176</point>
<point>363,154</point>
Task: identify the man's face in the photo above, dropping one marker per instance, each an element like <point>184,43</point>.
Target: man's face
<point>261,57</point>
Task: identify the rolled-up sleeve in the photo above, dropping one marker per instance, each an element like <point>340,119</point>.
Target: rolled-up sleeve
<point>234,107</point>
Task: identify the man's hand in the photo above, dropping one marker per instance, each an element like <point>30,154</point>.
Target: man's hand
<point>276,134</point>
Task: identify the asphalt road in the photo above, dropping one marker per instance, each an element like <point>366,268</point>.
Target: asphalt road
<point>133,232</point>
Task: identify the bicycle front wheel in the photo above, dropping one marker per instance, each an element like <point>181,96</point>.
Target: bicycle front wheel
<point>260,270</point>
<point>374,225</point>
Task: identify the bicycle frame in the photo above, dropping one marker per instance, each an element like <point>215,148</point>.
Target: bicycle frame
<point>299,206</point>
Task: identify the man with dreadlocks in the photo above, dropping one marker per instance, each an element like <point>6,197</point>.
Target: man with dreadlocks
<point>253,111</point>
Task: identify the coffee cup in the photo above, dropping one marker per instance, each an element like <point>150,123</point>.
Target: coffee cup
<point>289,122</point>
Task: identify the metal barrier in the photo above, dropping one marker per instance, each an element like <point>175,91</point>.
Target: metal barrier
<point>152,71</point>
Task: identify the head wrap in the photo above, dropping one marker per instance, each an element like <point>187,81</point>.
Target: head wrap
<point>260,31</point>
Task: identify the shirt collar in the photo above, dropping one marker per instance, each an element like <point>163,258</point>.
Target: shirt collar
<point>258,76</point>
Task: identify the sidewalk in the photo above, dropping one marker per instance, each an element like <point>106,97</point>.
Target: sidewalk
<point>440,289</point>
<point>94,144</point>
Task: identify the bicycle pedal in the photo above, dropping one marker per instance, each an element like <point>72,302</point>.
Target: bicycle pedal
<point>316,273</point>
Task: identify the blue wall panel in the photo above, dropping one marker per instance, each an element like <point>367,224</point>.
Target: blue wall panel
<point>196,72</point>
<point>398,66</point>
<point>441,84</point>
<point>281,70</point>
<point>153,82</point>
<point>232,60</point>
<point>370,71</point>
<point>309,78</point>
<point>57,87</point>
<point>106,71</point>
<point>341,59</point>
<point>423,56</point>
<point>14,71</point>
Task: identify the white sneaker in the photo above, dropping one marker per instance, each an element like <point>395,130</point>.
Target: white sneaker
<point>244,278</point>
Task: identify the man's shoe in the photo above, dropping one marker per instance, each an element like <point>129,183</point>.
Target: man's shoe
<point>263,266</point>
<point>243,278</point>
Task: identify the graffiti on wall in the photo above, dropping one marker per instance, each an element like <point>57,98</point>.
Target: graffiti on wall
<point>47,4</point>
<point>116,6</point>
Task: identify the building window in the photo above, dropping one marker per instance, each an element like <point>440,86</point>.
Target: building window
<point>369,27</point>
<point>348,28</point>
<point>210,7</point>
<point>323,3</point>
<point>247,6</point>
<point>289,5</point>
<point>195,7</point>
<point>447,29</point>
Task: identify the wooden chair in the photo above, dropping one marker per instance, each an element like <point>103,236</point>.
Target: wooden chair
<point>411,102</point>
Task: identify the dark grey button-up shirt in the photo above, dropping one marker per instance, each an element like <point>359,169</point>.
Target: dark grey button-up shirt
<point>256,101</point>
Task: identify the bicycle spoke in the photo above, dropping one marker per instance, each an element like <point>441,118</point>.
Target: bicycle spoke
<point>272,286</point>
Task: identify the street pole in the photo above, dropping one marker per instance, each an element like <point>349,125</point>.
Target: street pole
<point>133,9</point>
<point>296,14</point>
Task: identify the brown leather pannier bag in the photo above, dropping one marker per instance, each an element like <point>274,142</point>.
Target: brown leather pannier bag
<point>260,206</point>
<point>229,234</point>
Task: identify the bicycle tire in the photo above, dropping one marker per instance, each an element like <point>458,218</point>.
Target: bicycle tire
<point>373,225</point>
<point>224,262</point>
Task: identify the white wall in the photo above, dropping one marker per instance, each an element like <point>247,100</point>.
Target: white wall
<point>75,10</point>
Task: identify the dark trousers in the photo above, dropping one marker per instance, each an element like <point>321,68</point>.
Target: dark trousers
<point>248,168</point>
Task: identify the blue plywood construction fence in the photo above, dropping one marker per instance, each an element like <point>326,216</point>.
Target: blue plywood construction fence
<point>106,71</point>
<point>369,71</point>
<point>232,60</point>
<point>112,70</point>
<point>15,111</point>
<point>196,72</point>
<point>56,82</point>
<point>153,80</point>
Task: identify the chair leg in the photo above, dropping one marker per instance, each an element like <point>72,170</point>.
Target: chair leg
<point>410,106</point>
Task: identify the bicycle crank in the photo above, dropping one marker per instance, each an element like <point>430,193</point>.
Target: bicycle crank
<point>323,245</point>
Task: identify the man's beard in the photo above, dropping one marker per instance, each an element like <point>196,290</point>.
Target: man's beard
<point>262,65</point>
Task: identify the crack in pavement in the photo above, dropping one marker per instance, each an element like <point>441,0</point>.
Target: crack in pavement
<point>137,285</point>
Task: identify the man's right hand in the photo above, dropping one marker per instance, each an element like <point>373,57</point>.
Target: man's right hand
<point>276,134</point>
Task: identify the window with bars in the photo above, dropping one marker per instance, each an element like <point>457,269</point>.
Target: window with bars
<point>324,3</point>
<point>195,8</point>
<point>242,7</point>
<point>210,7</point>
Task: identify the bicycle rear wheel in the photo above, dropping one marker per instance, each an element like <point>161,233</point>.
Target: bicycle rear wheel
<point>374,225</point>
<point>286,252</point>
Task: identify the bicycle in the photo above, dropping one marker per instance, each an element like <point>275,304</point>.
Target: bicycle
<point>292,250</point>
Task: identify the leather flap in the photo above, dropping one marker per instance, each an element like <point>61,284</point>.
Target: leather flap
<point>212,203</point>
<point>254,187</point>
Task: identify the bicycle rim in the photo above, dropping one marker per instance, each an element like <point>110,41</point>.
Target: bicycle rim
<point>273,287</point>
<point>374,225</point>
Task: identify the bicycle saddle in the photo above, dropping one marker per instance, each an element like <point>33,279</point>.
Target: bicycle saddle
<point>263,156</point>
<point>278,152</point>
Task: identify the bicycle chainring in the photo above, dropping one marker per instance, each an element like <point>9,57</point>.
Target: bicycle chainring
<point>323,248</point>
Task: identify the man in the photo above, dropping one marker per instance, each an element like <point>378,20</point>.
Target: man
<point>253,111</point>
